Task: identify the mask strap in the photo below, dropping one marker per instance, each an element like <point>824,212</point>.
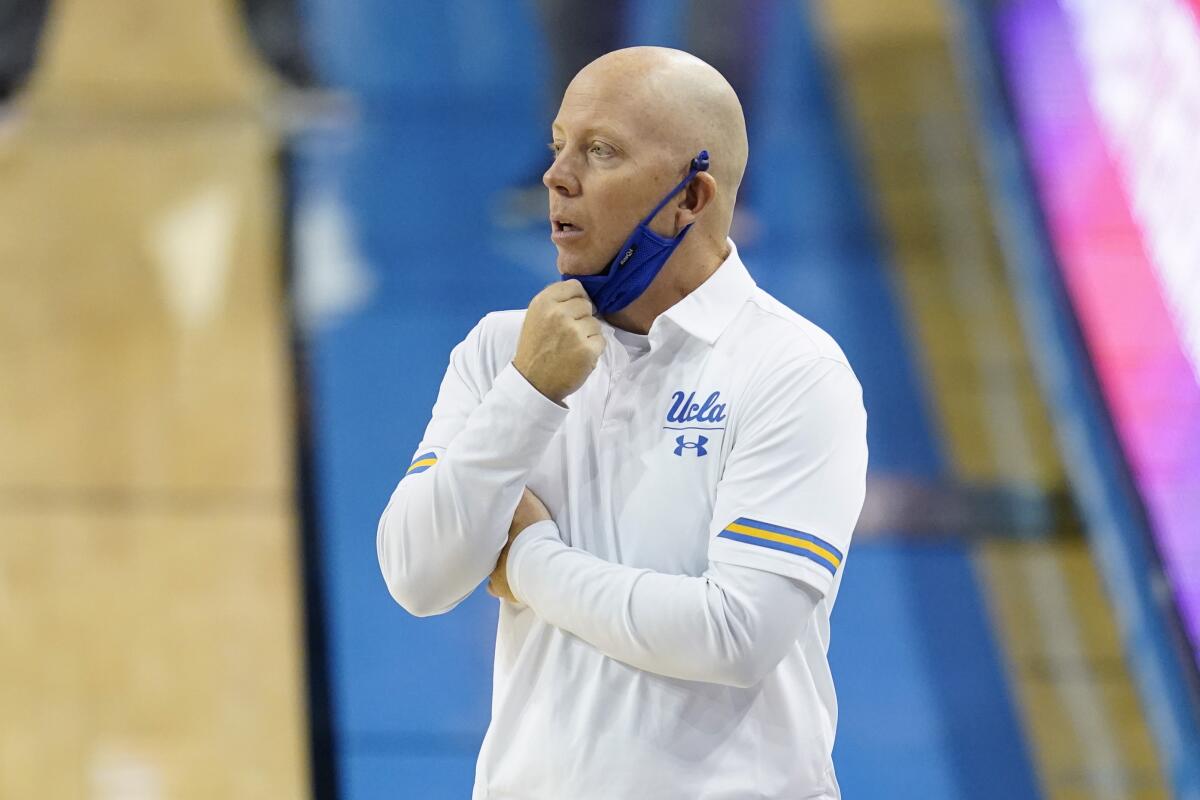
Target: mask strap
<point>699,164</point>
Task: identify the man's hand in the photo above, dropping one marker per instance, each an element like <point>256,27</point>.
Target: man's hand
<point>560,340</point>
<point>529,510</point>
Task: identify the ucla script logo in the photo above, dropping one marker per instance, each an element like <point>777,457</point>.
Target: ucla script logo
<point>686,414</point>
<point>686,409</point>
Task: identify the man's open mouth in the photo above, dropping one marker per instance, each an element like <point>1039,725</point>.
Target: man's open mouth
<point>563,226</point>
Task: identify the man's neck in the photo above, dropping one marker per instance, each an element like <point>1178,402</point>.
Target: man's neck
<point>683,273</point>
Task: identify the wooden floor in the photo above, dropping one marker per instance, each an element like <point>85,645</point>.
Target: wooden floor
<point>1082,713</point>
<point>150,600</point>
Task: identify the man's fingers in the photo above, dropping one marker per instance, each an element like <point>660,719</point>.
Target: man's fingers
<point>564,290</point>
<point>590,326</point>
<point>572,288</point>
<point>500,593</point>
<point>578,307</point>
<point>549,353</point>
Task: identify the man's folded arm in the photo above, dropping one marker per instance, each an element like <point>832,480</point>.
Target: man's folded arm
<point>730,626</point>
<point>787,502</point>
<point>448,518</point>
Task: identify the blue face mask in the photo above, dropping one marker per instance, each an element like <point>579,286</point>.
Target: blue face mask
<point>639,259</point>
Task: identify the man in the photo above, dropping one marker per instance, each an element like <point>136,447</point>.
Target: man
<point>662,492</point>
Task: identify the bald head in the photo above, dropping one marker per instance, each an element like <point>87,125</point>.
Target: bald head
<point>628,127</point>
<point>683,102</point>
<point>681,105</point>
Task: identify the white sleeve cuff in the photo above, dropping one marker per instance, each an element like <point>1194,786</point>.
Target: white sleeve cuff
<point>539,409</point>
<point>512,426</point>
<point>525,544</point>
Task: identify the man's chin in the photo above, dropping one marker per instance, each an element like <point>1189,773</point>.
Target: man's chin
<point>574,267</point>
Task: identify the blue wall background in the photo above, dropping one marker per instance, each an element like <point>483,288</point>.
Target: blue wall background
<point>451,112</point>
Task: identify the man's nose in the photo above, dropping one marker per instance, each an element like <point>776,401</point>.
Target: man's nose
<point>559,177</point>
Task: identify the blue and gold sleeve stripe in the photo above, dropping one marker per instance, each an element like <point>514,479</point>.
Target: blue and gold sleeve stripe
<point>787,540</point>
<point>421,463</point>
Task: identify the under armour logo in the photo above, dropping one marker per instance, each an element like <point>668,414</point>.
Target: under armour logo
<point>698,446</point>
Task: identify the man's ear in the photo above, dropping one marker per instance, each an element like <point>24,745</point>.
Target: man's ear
<point>699,193</point>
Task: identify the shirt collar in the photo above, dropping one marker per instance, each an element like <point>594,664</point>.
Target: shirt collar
<point>708,310</point>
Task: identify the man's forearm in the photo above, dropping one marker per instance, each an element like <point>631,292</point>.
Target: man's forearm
<point>443,528</point>
<point>729,626</point>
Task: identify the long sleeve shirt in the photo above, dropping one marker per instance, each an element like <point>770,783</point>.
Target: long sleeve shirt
<point>675,614</point>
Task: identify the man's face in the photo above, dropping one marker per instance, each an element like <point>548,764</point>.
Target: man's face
<point>608,172</point>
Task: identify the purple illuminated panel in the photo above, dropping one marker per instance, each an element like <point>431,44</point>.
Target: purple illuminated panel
<point>1110,117</point>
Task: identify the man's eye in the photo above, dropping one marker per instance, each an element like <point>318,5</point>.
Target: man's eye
<point>555,148</point>
<point>600,149</point>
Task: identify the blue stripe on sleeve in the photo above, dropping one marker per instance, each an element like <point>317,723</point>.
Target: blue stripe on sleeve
<point>817,540</point>
<point>781,546</point>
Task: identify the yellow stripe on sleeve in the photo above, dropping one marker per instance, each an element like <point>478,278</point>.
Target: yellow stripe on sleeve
<point>803,544</point>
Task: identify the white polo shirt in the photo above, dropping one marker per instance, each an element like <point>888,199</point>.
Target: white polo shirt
<point>723,456</point>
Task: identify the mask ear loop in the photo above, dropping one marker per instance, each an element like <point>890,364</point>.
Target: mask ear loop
<point>699,164</point>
